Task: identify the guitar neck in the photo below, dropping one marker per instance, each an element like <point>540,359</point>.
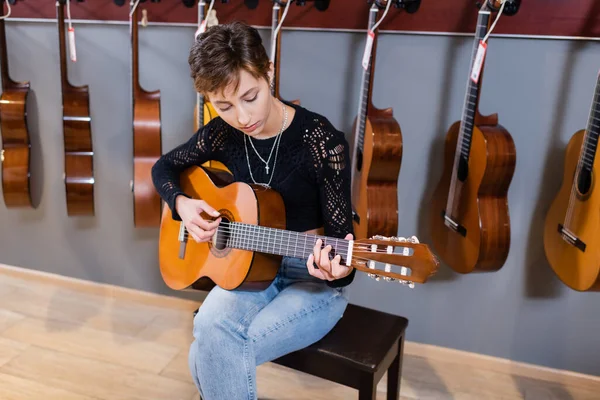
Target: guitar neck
<point>590,143</point>
<point>133,26</point>
<point>275,51</point>
<point>366,84</point>
<point>6,81</point>
<point>60,17</point>
<point>276,241</point>
<point>200,97</point>
<point>473,88</point>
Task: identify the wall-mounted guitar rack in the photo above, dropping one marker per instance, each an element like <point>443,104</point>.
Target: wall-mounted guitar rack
<point>574,18</point>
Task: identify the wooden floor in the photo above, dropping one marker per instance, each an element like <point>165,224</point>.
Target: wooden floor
<point>70,340</point>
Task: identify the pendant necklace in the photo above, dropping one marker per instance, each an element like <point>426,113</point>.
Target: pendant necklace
<point>275,144</point>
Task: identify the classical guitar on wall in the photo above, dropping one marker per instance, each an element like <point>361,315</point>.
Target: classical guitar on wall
<point>16,145</point>
<point>246,250</point>
<point>78,149</point>
<point>572,226</point>
<point>147,141</point>
<point>277,16</point>
<point>469,218</point>
<point>376,157</point>
<point>209,112</point>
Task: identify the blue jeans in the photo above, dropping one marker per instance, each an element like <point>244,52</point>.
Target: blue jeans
<point>235,331</point>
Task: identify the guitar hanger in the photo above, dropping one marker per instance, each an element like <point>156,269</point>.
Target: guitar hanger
<point>320,5</point>
<point>510,8</point>
<point>192,3</point>
<point>410,6</point>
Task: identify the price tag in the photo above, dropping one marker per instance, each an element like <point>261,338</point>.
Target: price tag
<point>368,49</point>
<point>479,57</point>
<point>72,52</point>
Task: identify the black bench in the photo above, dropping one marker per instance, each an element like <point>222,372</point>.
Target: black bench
<point>357,352</point>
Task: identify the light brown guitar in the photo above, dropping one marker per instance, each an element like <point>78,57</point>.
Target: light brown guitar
<point>16,144</point>
<point>572,228</point>
<point>376,158</point>
<point>275,55</point>
<point>247,248</point>
<point>469,217</point>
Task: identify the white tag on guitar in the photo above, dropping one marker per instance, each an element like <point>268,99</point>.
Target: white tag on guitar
<point>72,53</point>
<point>201,28</point>
<point>477,64</point>
<point>368,49</point>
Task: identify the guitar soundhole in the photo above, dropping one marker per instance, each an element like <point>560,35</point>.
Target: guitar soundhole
<point>584,181</point>
<point>463,168</point>
<point>223,234</point>
<point>219,245</point>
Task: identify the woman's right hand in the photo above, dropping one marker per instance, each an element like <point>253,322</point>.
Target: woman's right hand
<point>189,210</point>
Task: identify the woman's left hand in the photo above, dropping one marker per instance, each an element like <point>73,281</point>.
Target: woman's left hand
<point>327,269</point>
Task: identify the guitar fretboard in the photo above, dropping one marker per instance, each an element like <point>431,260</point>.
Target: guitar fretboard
<point>274,41</point>
<point>200,98</point>
<point>276,241</point>
<point>590,143</point>
<point>366,86</point>
<point>472,92</point>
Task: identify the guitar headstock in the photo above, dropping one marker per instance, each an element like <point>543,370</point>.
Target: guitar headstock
<point>413,261</point>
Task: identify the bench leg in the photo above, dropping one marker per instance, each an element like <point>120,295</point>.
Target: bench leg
<point>368,387</point>
<point>395,373</point>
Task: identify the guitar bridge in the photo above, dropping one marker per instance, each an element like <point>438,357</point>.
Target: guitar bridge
<point>182,240</point>
<point>455,226</point>
<point>571,238</point>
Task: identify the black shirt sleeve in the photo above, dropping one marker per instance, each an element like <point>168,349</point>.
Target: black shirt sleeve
<point>334,186</point>
<point>168,168</point>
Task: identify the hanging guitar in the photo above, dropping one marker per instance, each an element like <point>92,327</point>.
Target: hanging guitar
<point>572,224</point>
<point>16,145</point>
<point>147,141</point>
<point>275,54</point>
<point>376,154</point>
<point>469,220</point>
<point>246,250</point>
<point>209,111</point>
<point>79,168</point>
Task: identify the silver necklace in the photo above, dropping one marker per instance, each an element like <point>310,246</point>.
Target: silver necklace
<point>276,143</point>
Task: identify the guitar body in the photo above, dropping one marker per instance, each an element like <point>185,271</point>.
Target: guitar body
<point>79,169</point>
<point>147,149</point>
<point>375,188</point>
<point>16,147</point>
<point>483,206</point>
<point>578,269</point>
<point>202,265</point>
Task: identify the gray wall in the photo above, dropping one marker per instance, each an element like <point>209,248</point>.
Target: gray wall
<point>541,89</point>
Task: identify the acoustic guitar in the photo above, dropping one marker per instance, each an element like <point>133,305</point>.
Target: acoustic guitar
<point>79,168</point>
<point>275,51</point>
<point>209,111</point>
<point>16,145</point>
<point>247,248</point>
<point>469,220</point>
<point>147,141</point>
<point>572,226</point>
<point>376,157</point>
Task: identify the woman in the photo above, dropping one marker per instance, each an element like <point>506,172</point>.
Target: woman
<point>299,154</point>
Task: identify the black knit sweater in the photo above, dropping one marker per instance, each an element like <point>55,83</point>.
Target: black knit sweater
<point>311,171</point>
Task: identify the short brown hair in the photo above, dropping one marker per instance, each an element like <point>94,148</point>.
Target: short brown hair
<point>219,53</point>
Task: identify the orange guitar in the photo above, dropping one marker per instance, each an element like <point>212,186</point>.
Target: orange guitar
<point>572,224</point>
<point>16,146</point>
<point>79,166</point>
<point>147,140</point>
<point>376,158</point>
<point>246,250</point>
<point>470,224</point>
